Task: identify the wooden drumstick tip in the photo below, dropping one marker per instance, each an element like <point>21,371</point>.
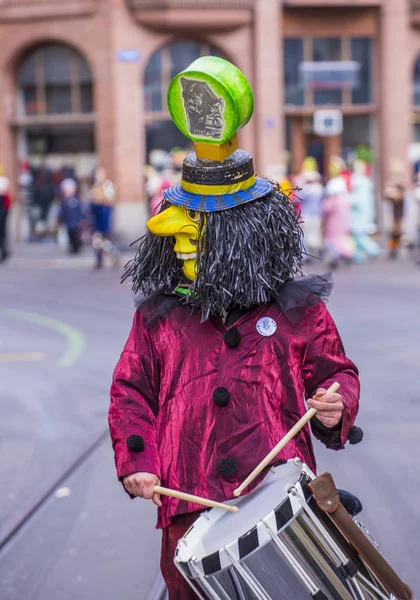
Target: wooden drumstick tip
<point>333,388</point>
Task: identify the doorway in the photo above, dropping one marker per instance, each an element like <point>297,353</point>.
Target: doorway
<point>303,142</point>
<point>315,147</point>
<point>54,128</point>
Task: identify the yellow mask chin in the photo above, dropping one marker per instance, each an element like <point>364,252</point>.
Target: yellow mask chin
<point>184,225</point>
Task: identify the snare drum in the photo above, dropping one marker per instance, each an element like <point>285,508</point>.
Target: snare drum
<point>278,546</point>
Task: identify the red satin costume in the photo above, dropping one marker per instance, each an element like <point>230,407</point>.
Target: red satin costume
<point>164,391</point>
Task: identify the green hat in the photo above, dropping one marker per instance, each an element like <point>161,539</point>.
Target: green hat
<point>209,102</point>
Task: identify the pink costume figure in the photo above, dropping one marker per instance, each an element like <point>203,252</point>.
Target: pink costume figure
<point>157,198</point>
<point>336,218</point>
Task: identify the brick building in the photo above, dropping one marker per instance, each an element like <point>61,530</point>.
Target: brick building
<point>84,80</point>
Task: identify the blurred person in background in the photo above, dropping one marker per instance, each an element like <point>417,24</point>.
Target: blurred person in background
<point>345,172</point>
<point>311,196</point>
<point>362,221</point>
<point>101,198</point>
<point>395,193</point>
<point>163,172</point>
<point>416,196</point>
<point>71,214</point>
<point>336,217</point>
<point>177,158</point>
<point>159,178</point>
<point>42,195</point>
<point>5,204</point>
<point>278,173</point>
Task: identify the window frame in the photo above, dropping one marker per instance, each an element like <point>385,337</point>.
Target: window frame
<point>346,54</point>
<point>75,82</point>
<point>162,115</point>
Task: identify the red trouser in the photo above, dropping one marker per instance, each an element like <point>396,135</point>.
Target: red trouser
<point>177,586</point>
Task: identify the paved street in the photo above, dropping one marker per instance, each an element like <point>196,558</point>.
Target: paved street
<point>62,327</point>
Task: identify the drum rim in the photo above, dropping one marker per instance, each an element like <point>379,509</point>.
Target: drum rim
<point>249,542</point>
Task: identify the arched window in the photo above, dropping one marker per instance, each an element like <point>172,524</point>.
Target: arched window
<point>54,123</point>
<point>162,67</point>
<point>54,79</point>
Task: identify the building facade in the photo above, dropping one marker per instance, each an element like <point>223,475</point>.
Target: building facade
<point>83,82</point>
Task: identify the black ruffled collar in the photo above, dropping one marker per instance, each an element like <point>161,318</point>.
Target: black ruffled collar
<point>294,298</point>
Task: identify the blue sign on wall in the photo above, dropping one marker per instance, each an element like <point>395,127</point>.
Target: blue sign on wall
<point>128,56</point>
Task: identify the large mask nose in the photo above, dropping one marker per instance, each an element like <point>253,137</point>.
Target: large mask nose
<point>171,221</point>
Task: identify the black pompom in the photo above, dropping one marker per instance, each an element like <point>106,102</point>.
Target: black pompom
<point>221,396</point>
<point>135,443</point>
<point>355,435</point>
<point>232,337</point>
<point>350,502</point>
<point>227,467</point>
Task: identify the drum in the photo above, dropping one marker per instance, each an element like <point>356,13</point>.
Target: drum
<point>279,546</point>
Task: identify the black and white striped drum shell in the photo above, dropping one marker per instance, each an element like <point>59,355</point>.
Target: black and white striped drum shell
<point>218,533</point>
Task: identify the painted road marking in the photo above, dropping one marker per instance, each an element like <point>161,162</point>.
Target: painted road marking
<point>75,338</point>
<point>22,356</point>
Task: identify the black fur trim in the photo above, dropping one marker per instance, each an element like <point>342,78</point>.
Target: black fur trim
<point>298,295</point>
<point>135,443</point>
<point>232,337</point>
<point>221,396</point>
<point>227,467</point>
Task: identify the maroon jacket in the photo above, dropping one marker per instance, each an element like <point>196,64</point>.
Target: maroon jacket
<point>205,442</point>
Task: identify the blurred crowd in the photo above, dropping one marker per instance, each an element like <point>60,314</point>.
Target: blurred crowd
<point>338,211</point>
<point>63,209</point>
<point>163,170</point>
<point>90,219</point>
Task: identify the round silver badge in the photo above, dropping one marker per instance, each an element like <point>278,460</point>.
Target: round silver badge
<point>266,326</point>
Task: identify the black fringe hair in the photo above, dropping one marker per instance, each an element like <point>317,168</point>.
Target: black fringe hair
<point>244,257</point>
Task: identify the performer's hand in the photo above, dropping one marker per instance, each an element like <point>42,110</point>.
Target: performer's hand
<point>330,407</point>
<point>141,485</point>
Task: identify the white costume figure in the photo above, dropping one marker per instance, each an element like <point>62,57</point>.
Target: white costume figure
<point>362,221</point>
<point>312,195</point>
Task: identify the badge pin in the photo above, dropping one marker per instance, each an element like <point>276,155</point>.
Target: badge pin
<point>266,326</point>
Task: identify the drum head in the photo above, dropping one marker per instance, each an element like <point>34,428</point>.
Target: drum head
<point>218,528</point>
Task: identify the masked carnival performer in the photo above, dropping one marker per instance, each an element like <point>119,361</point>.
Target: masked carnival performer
<point>229,337</point>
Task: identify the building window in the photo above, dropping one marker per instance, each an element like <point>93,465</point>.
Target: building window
<point>327,50</point>
<point>55,80</point>
<point>162,67</point>
<point>328,71</point>
<point>358,134</point>
<point>293,57</point>
<point>361,52</point>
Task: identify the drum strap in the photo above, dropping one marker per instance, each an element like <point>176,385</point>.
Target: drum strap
<point>327,499</point>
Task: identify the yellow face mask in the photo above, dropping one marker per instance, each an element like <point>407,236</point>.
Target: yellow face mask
<point>184,224</point>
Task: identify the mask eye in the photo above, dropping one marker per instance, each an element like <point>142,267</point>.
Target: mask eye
<point>193,215</point>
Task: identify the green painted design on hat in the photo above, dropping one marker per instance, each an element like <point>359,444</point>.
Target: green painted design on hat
<point>210,101</point>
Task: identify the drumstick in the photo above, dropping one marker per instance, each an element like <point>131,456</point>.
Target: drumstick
<point>190,498</point>
<point>291,434</point>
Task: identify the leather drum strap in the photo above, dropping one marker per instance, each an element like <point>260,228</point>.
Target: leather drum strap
<point>327,499</point>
